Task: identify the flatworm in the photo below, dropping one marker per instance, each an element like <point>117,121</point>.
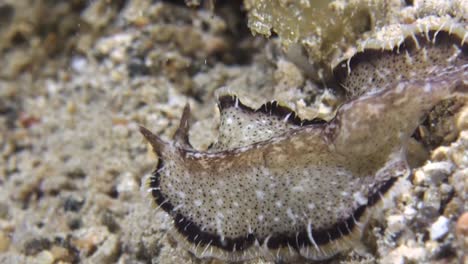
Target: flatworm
<point>278,187</point>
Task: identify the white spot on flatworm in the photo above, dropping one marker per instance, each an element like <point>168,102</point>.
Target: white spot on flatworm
<point>260,195</point>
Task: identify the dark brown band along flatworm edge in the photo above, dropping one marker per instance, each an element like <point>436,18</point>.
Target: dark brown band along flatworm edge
<point>296,240</point>
<point>340,72</point>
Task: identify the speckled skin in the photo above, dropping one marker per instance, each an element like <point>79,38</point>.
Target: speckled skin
<point>306,189</point>
<point>420,56</point>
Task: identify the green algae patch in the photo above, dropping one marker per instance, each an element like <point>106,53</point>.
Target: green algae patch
<point>321,27</point>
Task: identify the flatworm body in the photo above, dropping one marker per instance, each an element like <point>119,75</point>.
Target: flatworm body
<point>279,187</point>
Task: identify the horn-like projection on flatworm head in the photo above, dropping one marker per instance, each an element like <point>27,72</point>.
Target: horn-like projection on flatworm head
<point>278,187</point>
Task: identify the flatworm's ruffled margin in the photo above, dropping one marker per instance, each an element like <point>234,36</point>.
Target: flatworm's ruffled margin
<point>327,242</point>
<point>414,37</point>
<point>270,108</point>
<point>342,70</point>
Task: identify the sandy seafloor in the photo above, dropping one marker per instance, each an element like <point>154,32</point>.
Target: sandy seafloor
<point>78,77</point>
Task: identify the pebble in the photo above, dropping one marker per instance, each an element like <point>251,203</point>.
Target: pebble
<point>433,173</point>
<point>108,219</point>
<point>121,131</point>
<point>4,242</point>
<point>287,75</point>
<point>107,252</point>
<point>459,181</point>
<point>462,121</point>
<point>453,207</point>
<point>106,45</point>
<point>395,223</point>
<point>419,177</point>
<point>446,189</point>
<point>71,107</point>
<point>458,153</point>
<point>438,171</point>
<point>410,212</point>
<point>127,185</point>
<point>4,210</point>
<point>36,245</point>
<point>404,254</point>
<point>60,253</point>
<point>438,250</point>
<point>440,153</point>
<point>202,134</point>
<point>52,87</point>
<point>73,204</point>
<point>439,228</point>
<point>462,225</point>
<point>79,63</point>
<point>88,239</point>
<point>44,257</point>
<point>432,200</point>
<point>461,230</point>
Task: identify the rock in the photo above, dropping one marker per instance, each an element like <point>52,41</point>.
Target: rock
<point>419,177</point>
<point>35,245</point>
<point>78,63</point>
<point>458,151</point>
<point>202,134</point>
<point>395,223</point>
<point>433,173</point>
<point>432,201</point>
<point>404,254</point>
<point>127,185</point>
<point>107,252</point>
<point>462,225</point>
<point>287,76</point>
<point>410,212</point>
<point>461,230</point>
<point>440,153</point>
<point>462,121</point>
<point>60,253</point>
<point>87,240</point>
<point>395,226</point>
<point>4,242</point>
<point>439,250</point>
<point>44,257</point>
<point>73,204</point>
<point>109,219</point>
<point>459,181</point>
<point>454,207</point>
<point>438,171</point>
<point>439,228</point>
<point>12,257</point>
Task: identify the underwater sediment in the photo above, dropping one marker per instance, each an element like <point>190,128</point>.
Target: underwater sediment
<point>78,78</point>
